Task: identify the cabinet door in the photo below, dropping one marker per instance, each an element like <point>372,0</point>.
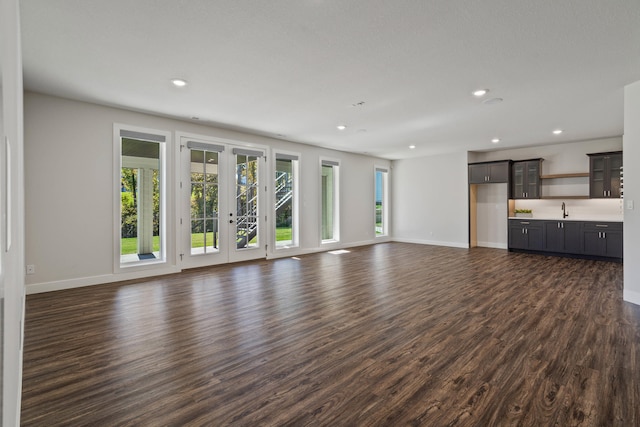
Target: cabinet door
<point>596,177</point>
<point>613,165</point>
<point>534,238</point>
<point>526,180</point>
<point>572,237</point>
<point>478,174</point>
<point>518,180</point>
<point>532,188</point>
<point>553,236</point>
<point>499,172</point>
<point>604,175</point>
<point>517,237</point>
<point>613,244</point>
<point>592,243</point>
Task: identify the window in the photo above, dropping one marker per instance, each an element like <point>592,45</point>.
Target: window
<point>286,201</point>
<point>381,201</point>
<point>205,202</point>
<point>330,201</point>
<point>247,193</point>
<point>141,189</point>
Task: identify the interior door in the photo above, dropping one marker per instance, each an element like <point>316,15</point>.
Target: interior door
<point>222,215</point>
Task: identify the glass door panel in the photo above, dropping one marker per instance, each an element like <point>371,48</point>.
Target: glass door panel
<point>204,201</point>
<point>221,203</point>
<point>246,229</point>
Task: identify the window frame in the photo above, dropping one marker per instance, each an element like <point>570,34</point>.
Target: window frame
<point>335,164</point>
<point>165,180</point>
<point>295,215</point>
<point>385,201</point>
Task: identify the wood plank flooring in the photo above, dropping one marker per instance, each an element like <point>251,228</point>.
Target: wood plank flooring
<point>387,335</point>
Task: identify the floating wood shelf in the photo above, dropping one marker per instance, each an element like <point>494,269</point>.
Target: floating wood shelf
<point>565,197</point>
<point>566,175</point>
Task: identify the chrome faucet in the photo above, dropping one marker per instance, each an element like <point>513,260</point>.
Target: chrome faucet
<point>564,213</point>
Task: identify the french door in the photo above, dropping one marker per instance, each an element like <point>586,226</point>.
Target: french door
<point>223,215</point>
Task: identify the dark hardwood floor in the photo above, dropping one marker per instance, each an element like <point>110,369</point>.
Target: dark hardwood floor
<point>386,335</point>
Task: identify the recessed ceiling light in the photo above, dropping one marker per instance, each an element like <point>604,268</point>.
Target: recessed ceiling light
<point>179,82</point>
<point>341,127</point>
<point>557,131</point>
<point>480,92</point>
<point>412,146</point>
<point>495,140</point>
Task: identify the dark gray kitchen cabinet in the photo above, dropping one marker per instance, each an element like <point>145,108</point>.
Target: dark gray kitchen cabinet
<point>525,234</point>
<point>489,172</point>
<point>526,179</point>
<point>603,239</point>
<point>563,236</point>
<point>604,175</point>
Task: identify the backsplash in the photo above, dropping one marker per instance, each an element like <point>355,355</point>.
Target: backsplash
<point>585,209</point>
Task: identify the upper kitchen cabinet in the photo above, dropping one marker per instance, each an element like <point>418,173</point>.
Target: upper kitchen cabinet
<point>526,179</point>
<point>489,172</point>
<point>605,170</point>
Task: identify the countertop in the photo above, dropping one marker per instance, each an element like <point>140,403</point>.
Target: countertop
<point>595,218</point>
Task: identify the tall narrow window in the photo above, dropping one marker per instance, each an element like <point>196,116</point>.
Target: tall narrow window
<point>247,192</point>
<point>204,171</point>
<point>330,206</point>
<point>286,201</point>
<point>381,197</point>
<point>141,197</point>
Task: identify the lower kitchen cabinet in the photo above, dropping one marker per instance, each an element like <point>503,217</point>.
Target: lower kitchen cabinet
<point>562,236</point>
<point>582,238</point>
<point>603,239</point>
<point>525,234</point>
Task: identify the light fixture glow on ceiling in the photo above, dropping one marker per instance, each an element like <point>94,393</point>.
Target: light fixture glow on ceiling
<point>412,147</point>
<point>341,127</point>
<point>179,82</point>
<point>557,131</point>
<point>492,101</point>
<point>495,140</point>
<point>480,92</point>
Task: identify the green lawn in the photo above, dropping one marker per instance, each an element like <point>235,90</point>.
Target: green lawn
<point>197,240</point>
<point>283,234</point>
<point>130,245</point>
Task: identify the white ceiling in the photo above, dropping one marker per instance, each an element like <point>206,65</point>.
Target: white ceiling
<point>297,67</point>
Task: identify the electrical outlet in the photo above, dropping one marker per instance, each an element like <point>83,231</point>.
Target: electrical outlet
<point>31,269</point>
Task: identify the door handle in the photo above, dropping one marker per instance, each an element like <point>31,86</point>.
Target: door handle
<point>230,221</point>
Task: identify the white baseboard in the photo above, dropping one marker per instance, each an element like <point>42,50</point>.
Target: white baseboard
<point>58,285</point>
<point>495,245</point>
<point>432,242</point>
<point>286,253</point>
<point>37,288</point>
<point>631,296</point>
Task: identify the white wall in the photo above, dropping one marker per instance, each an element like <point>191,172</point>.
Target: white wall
<point>69,185</point>
<point>12,258</point>
<point>430,200</point>
<point>631,155</point>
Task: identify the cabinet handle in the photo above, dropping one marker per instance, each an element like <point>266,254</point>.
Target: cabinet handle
<point>525,222</point>
<point>602,225</point>
<point>526,231</point>
<point>604,235</point>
